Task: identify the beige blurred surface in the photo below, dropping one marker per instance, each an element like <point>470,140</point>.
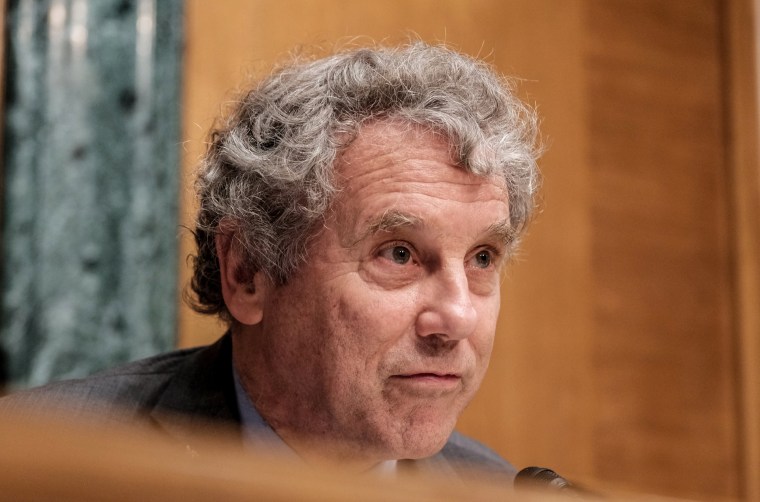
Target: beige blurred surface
<point>44,460</point>
<point>56,461</point>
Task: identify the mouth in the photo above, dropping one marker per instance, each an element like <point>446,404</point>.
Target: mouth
<point>428,383</point>
<point>432,375</point>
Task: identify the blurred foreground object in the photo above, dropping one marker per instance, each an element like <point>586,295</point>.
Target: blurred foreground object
<point>65,460</point>
<point>45,460</point>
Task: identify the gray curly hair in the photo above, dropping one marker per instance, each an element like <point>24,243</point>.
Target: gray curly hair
<point>269,168</point>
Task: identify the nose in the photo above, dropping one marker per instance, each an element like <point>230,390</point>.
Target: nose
<point>449,311</point>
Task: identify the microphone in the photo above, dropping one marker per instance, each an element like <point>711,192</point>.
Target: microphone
<point>541,478</point>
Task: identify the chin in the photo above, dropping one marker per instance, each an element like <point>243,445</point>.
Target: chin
<point>418,443</point>
<point>417,432</point>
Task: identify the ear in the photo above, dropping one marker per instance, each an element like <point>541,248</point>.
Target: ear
<point>244,294</point>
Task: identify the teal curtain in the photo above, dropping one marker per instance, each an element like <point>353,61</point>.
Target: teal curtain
<point>90,184</point>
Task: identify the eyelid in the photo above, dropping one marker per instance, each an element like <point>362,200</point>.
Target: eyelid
<point>494,250</point>
<point>389,245</point>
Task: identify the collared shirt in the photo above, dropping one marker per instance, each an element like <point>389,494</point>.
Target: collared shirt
<point>260,436</point>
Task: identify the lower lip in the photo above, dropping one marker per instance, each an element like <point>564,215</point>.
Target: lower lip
<point>428,382</point>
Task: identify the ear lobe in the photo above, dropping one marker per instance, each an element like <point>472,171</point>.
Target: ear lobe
<point>244,293</point>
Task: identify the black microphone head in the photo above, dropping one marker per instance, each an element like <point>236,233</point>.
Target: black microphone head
<point>541,478</point>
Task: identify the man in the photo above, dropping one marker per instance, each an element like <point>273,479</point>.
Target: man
<point>355,214</point>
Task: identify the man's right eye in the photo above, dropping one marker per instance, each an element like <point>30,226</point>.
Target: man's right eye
<point>397,254</point>
<point>401,254</point>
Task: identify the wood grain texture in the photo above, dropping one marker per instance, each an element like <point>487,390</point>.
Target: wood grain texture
<point>666,383</point>
<point>741,24</point>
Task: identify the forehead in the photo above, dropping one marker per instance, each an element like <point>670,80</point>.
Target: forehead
<point>391,158</point>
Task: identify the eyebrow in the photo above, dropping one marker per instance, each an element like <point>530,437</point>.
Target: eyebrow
<point>390,220</point>
<point>394,219</point>
<point>503,232</point>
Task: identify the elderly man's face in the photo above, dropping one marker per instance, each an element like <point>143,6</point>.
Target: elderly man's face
<point>374,347</point>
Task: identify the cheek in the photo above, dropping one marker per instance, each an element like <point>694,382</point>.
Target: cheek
<point>367,326</point>
<point>376,316</point>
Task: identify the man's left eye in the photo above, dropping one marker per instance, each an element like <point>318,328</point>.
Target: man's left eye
<point>483,259</point>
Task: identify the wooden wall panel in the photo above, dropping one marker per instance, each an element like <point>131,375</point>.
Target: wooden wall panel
<point>742,56</point>
<point>662,279</point>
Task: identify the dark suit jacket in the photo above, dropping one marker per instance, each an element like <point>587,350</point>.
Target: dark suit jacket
<point>188,391</point>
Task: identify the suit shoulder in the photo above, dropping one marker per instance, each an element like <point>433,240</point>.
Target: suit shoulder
<point>128,388</point>
<point>164,363</point>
